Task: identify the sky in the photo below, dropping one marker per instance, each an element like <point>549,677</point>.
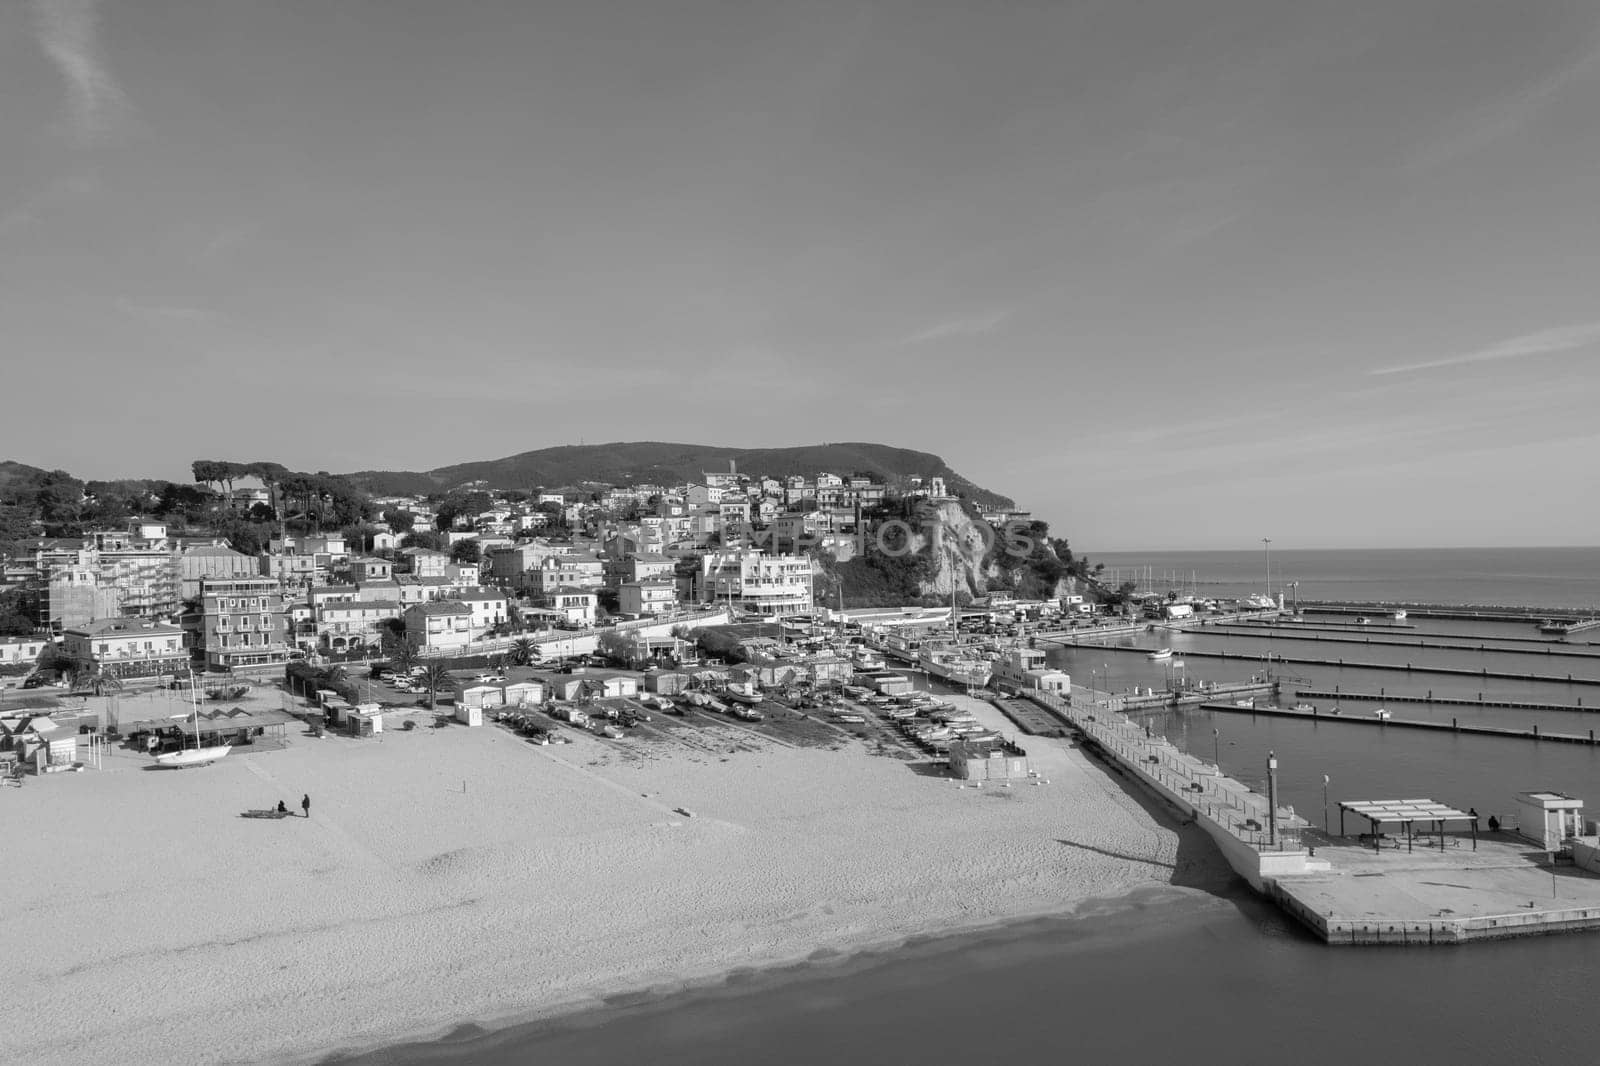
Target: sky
<point>1172,275</point>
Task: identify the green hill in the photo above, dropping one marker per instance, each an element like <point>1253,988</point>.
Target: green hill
<point>655,461</point>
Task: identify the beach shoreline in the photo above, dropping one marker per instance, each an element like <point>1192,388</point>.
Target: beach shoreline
<point>460,876</point>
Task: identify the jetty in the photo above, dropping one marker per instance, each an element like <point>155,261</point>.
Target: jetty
<point>1466,612</point>
<point>1407,668</point>
<point>1545,648</point>
<point>1363,890</point>
<point>1444,701</point>
<point>1314,715</point>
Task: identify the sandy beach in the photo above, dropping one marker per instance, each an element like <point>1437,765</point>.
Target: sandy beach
<point>454,875</point>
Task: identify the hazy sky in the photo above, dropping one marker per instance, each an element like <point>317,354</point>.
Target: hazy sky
<point>1172,274</point>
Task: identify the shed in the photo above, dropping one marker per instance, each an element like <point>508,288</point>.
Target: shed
<point>469,715</point>
<point>666,682</point>
<point>524,693</point>
<point>1549,818</point>
<point>978,762</point>
<point>483,696</point>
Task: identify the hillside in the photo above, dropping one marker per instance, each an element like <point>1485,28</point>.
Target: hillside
<point>655,461</point>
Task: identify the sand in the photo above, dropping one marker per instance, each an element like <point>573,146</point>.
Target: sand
<point>453,875</point>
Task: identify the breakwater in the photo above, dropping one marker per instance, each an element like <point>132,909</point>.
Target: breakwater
<point>1545,648</point>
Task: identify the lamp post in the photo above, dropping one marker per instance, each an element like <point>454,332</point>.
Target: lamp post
<point>1325,805</point>
<point>1216,746</point>
<point>1266,546</point>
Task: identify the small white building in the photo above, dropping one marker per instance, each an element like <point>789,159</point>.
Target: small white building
<point>1549,818</point>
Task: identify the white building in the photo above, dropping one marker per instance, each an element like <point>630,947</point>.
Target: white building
<point>761,584</point>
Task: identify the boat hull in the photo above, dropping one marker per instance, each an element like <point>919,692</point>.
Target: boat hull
<point>193,756</point>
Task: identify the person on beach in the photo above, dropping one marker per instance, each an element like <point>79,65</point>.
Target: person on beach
<point>282,807</point>
<point>305,804</point>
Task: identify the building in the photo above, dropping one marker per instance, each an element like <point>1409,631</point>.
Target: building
<point>364,568</point>
<point>16,651</point>
<point>440,626</point>
<point>1023,668</point>
<point>756,583</point>
<point>647,597</point>
<point>423,562</point>
<point>212,561</point>
<point>293,571</point>
<point>127,647</point>
<point>351,625</point>
<point>488,606</point>
<point>244,625</point>
<point>575,606</point>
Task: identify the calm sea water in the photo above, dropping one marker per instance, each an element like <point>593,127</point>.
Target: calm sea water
<point>1547,577</point>
<point>1207,973</point>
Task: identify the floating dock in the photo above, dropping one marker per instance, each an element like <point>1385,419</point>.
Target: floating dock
<point>1443,701</point>
<point>1546,648</point>
<point>1408,668</point>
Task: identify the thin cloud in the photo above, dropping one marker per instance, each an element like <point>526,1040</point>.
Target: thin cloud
<point>68,31</point>
<point>968,326</point>
<point>1545,342</point>
<point>1501,117</point>
<point>165,312</point>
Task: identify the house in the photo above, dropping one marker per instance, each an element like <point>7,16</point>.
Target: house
<point>442,625</point>
<point>366,568</point>
<point>575,606</point>
<point>488,607</point>
<point>127,647</point>
<point>352,624</point>
<point>647,597</point>
<point>423,562</point>
<point>385,541</point>
<point>24,650</point>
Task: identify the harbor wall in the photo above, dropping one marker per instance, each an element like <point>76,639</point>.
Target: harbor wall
<point>1194,790</point>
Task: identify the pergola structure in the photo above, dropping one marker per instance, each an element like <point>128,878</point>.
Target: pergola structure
<point>1407,813</point>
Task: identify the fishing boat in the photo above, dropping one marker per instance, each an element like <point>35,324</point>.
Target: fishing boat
<point>955,664</point>
<point>744,692</point>
<point>1399,616</point>
<point>1160,655</point>
<point>195,756</point>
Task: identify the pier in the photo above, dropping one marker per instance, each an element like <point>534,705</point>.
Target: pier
<point>1443,701</point>
<point>1406,723</point>
<point>1466,612</point>
<point>1345,891</point>
<point>1545,646</point>
<point>1408,668</point>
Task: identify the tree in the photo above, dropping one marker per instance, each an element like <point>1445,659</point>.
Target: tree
<point>86,679</point>
<point>423,539</point>
<point>615,646</point>
<point>403,656</point>
<point>400,522</point>
<point>15,624</point>
<point>523,652</point>
<point>466,551</point>
<point>435,679</point>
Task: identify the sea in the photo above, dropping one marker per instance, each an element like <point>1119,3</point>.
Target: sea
<point>1202,971</point>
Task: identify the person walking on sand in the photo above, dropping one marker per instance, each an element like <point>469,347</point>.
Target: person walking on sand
<point>305,804</point>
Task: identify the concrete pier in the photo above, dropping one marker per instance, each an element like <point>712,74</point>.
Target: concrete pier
<point>1402,723</point>
<point>1545,648</point>
<point>1345,892</point>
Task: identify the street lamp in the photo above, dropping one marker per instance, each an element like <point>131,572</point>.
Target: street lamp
<point>1266,545</point>
<point>1325,805</point>
<point>1216,746</point>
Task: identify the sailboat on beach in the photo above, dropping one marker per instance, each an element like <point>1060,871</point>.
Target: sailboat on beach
<point>195,756</point>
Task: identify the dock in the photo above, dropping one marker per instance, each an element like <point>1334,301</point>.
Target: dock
<point>1546,648</point>
<point>1405,723</point>
<point>1502,612</point>
<point>1444,701</point>
<point>1568,628</point>
<point>1343,892</point>
<point>1408,668</point>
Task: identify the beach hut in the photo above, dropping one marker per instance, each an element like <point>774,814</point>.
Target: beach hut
<point>666,682</point>
<point>524,694</point>
<point>483,697</point>
<point>469,715</point>
<point>980,762</point>
<point>366,722</point>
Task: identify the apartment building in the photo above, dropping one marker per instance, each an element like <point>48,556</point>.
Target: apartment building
<point>648,597</point>
<point>243,624</point>
<point>127,647</point>
<point>757,583</point>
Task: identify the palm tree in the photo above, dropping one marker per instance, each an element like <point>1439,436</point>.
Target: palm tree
<point>435,679</point>
<point>403,656</point>
<point>87,680</point>
<point>523,651</point>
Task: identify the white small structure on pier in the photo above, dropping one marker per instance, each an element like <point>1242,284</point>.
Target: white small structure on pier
<point>1549,818</point>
